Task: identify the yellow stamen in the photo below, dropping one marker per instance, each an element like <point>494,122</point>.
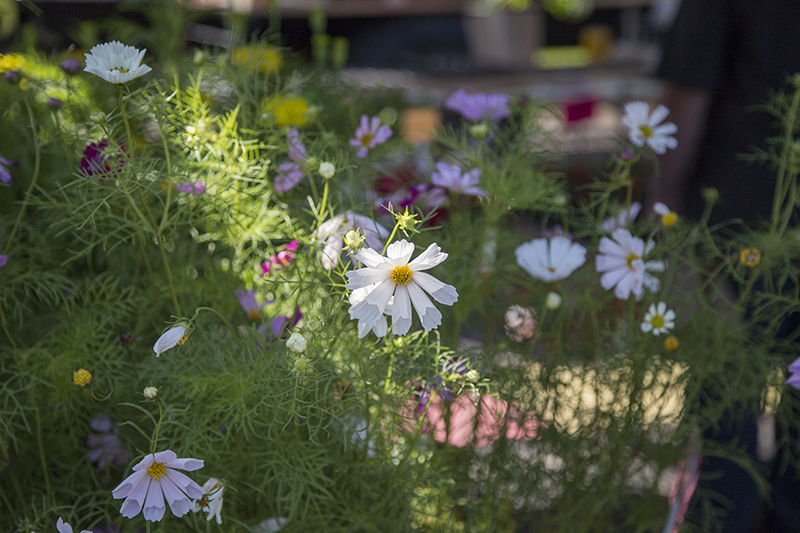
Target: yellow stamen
<point>123,70</point>
<point>81,377</point>
<point>671,343</point>
<point>670,219</point>
<point>750,257</point>
<point>156,470</point>
<point>401,275</point>
<point>657,321</point>
<point>647,131</point>
<point>366,139</point>
<point>255,314</point>
<point>631,259</point>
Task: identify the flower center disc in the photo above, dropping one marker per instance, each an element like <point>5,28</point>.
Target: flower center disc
<point>366,139</point>
<point>647,131</point>
<point>255,314</point>
<point>657,321</point>
<point>631,259</point>
<point>401,275</point>
<point>156,470</point>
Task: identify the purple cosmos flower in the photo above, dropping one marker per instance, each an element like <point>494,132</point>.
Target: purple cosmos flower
<point>12,76</point>
<point>105,447</point>
<point>191,187</point>
<point>63,527</point>
<point>440,383</point>
<point>794,374</point>
<point>98,159</point>
<point>153,479</point>
<point>289,175</point>
<point>54,103</point>
<point>3,260</point>
<point>70,66</point>
<point>333,230</point>
<point>279,326</point>
<point>450,178</point>
<point>248,301</point>
<point>297,151</point>
<point>5,175</point>
<point>369,135</point>
<point>282,259</point>
<point>479,106</point>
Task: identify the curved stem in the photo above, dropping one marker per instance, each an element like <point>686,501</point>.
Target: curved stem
<point>154,444</point>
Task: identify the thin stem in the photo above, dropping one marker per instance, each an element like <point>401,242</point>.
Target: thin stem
<point>42,456</point>
<point>172,291</point>
<point>391,237</point>
<point>388,383</point>
<point>169,179</point>
<point>780,193</point>
<point>324,203</point>
<point>125,118</point>
<point>36,167</point>
<point>154,444</point>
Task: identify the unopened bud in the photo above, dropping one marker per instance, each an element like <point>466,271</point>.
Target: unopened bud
<point>150,393</point>
<point>479,131</point>
<point>327,170</point>
<point>553,301</point>
<point>354,240</point>
<point>297,343</point>
<point>98,117</point>
<point>473,376</point>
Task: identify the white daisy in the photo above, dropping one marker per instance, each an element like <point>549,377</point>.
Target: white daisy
<point>550,259</point>
<point>211,501</point>
<point>621,262</point>
<point>333,231</point>
<point>645,128</point>
<point>115,62</point>
<point>658,319</point>
<point>174,336</point>
<point>404,280</point>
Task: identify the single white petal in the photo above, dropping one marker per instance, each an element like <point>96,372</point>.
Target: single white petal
<point>431,257</point>
<point>169,339</point>
<point>154,507</point>
<point>440,291</point>
<point>400,251</point>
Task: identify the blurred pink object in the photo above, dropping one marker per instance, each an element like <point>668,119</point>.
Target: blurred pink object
<point>471,425</point>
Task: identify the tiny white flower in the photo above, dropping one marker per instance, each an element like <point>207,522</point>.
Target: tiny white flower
<point>354,239</point>
<point>553,301</point>
<point>115,62</point>
<point>621,262</point>
<point>150,393</point>
<point>211,501</point>
<point>297,343</point>
<point>551,259</point>
<point>404,280</point>
<point>327,170</point>
<point>270,525</point>
<point>658,319</point>
<point>668,217</point>
<point>175,336</point>
<point>644,128</point>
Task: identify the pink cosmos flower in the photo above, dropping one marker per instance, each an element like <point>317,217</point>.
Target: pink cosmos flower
<point>191,187</point>
<point>450,178</point>
<point>99,159</point>
<point>282,259</point>
<point>479,106</point>
<point>248,301</point>
<point>155,478</point>
<point>369,135</point>
<point>279,326</point>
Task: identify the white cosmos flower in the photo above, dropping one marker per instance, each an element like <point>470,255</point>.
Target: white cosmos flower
<point>550,259</point>
<point>211,501</point>
<point>116,62</point>
<point>644,128</point>
<point>174,336</point>
<point>668,217</point>
<point>620,260</point>
<point>658,319</point>
<point>623,219</point>
<point>334,230</point>
<point>406,281</point>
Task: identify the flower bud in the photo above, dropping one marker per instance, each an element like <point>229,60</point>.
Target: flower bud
<point>479,131</point>
<point>150,393</point>
<point>301,364</point>
<point>327,170</point>
<point>82,377</point>
<point>297,343</point>
<point>553,301</point>
<point>70,66</point>
<point>98,117</point>
<point>354,240</point>
<point>710,195</point>
<point>473,376</point>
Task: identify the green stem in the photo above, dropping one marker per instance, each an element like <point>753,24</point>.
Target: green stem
<point>173,292</point>
<point>42,456</point>
<point>391,237</point>
<point>388,384</point>
<point>36,167</point>
<point>324,203</point>
<point>224,320</point>
<point>780,186</point>
<point>169,179</point>
<point>125,119</point>
<point>154,444</point>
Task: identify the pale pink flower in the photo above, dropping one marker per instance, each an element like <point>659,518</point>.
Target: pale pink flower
<point>369,135</point>
<point>154,479</point>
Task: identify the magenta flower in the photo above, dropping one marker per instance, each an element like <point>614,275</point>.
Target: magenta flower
<point>98,158</point>
<point>369,135</point>
<point>153,479</point>
<point>5,174</point>
<point>479,106</point>
<point>248,301</point>
<point>282,259</point>
<point>450,178</point>
<point>191,187</point>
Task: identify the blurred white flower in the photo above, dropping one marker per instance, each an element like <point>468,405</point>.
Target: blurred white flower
<point>332,232</point>
<point>621,262</point>
<point>520,323</point>
<point>553,301</point>
<point>116,62</point>
<point>174,336</point>
<point>211,501</point>
<point>404,280</point>
<point>648,129</point>
<point>551,259</point>
<point>623,218</point>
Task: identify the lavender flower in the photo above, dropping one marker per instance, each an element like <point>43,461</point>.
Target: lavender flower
<point>105,447</point>
<point>5,175</point>
<point>479,106</point>
<point>70,66</point>
<point>191,187</point>
<point>369,135</point>
<point>450,178</point>
<point>247,299</point>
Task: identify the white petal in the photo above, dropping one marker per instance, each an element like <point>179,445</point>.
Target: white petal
<point>169,339</point>
<point>441,292</point>
<point>431,257</point>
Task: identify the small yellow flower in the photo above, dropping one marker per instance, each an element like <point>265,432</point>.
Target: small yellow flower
<point>81,377</point>
<point>289,111</point>
<point>406,221</point>
<point>671,343</point>
<point>750,257</point>
<point>265,58</point>
<point>11,62</point>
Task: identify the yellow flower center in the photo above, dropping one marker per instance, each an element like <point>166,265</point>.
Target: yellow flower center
<point>183,339</point>
<point>81,377</point>
<point>657,321</point>
<point>366,139</point>
<point>123,70</point>
<point>551,269</point>
<point>750,257</point>
<point>156,470</point>
<point>401,275</point>
<point>670,219</point>
<point>255,314</point>
<point>631,259</point>
<point>647,131</point>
